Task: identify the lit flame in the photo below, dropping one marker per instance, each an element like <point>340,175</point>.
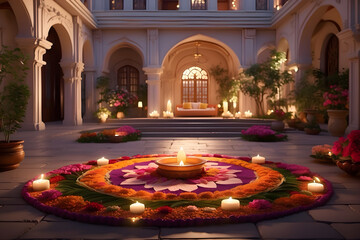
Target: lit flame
<point>181,163</point>
<point>330,153</point>
<point>42,176</point>
<point>230,198</point>
<point>134,219</point>
<point>316,179</point>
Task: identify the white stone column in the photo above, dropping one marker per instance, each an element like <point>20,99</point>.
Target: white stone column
<point>152,5</point>
<point>249,5</point>
<point>248,47</point>
<point>72,93</point>
<point>35,49</point>
<point>184,5</point>
<point>153,82</point>
<point>90,95</point>
<point>128,5</point>
<point>212,5</point>
<point>354,94</point>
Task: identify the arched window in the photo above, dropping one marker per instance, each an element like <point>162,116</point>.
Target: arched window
<point>198,5</point>
<point>195,85</point>
<point>332,56</point>
<point>116,5</point>
<point>128,78</point>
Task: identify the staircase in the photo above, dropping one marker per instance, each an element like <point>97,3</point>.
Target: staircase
<point>187,127</point>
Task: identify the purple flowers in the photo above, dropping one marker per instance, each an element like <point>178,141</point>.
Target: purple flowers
<point>49,195</point>
<point>260,204</point>
<point>127,129</point>
<point>70,169</point>
<point>262,134</point>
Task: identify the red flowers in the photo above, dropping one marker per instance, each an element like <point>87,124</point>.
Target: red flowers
<point>336,98</point>
<point>164,209</point>
<point>348,148</point>
<point>94,206</point>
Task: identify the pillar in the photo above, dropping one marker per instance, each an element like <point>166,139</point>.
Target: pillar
<point>128,5</point>
<point>35,49</point>
<point>184,5</point>
<point>212,5</point>
<point>72,93</point>
<point>90,95</point>
<point>349,50</point>
<point>153,82</point>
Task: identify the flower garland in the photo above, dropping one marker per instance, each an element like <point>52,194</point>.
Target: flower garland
<point>66,198</point>
<point>322,152</point>
<point>259,133</point>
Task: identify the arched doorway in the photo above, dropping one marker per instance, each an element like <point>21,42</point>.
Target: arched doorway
<point>332,56</point>
<point>194,85</point>
<point>52,81</point>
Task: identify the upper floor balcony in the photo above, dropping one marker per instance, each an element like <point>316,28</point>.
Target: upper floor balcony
<point>183,13</point>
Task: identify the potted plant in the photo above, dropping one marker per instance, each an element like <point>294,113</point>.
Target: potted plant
<point>102,114</point>
<point>312,128</point>
<point>14,97</point>
<point>346,152</point>
<point>279,115</point>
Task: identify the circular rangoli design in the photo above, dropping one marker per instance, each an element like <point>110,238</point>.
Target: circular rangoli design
<point>103,194</point>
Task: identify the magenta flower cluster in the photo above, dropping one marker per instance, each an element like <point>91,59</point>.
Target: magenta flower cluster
<point>258,130</point>
<point>348,148</point>
<point>49,195</point>
<point>127,129</point>
<point>120,99</point>
<point>70,169</point>
<point>260,204</point>
<point>336,98</point>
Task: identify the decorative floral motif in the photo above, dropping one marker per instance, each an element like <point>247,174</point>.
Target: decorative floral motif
<point>262,134</point>
<point>213,175</point>
<point>165,209</point>
<point>322,152</point>
<point>70,169</point>
<point>121,99</point>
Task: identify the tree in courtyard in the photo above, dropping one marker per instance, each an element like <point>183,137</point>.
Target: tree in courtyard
<point>264,79</point>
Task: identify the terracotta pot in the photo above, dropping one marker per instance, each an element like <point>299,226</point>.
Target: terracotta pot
<point>310,115</point>
<point>11,154</point>
<point>312,131</point>
<point>102,120</point>
<point>349,167</point>
<point>337,122</point>
<point>120,115</point>
<point>277,126</point>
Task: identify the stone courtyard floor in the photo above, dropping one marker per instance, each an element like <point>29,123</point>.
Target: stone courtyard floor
<point>56,147</point>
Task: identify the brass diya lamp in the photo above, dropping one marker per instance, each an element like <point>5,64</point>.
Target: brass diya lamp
<point>181,166</point>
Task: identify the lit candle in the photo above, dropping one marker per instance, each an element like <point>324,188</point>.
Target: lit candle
<point>316,186</point>
<point>258,159</point>
<point>154,114</point>
<point>238,115</point>
<point>41,184</point>
<point>168,107</point>
<point>181,156</point>
<point>140,105</point>
<point>137,208</point>
<point>225,106</point>
<point>102,161</point>
<point>181,163</point>
<point>230,204</point>
<point>248,114</point>
<point>330,154</point>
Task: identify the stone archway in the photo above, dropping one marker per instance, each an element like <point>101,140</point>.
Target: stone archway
<point>193,53</point>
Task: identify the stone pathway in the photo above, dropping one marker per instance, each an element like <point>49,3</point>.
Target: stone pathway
<point>56,147</point>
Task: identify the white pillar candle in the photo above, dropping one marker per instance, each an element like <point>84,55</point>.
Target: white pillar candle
<point>137,208</point>
<point>225,106</point>
<point>258,159</point>
<point>168,106</point>
<point>181,156</point>
<point>140,104</point>
<point>230,204</point>
<point>102,161</point>
<point>315,187</point>
<point>41,184</point>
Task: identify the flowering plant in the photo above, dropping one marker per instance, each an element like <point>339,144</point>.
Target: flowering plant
<point>102,112</point>
<point>262,134</point>
<point>280,115</point>
<point>121,99</point>
<point>321,152</point>
<point>348,148</point>
<point>336,98</point>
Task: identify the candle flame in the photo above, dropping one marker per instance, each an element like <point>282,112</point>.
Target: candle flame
<point>181,163</point>
<point>330,153</point>
<point>316,179</point>
<point>134,219</point>
<point>258,155</point>
<point>230,198</point>
<point>42,176</point>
